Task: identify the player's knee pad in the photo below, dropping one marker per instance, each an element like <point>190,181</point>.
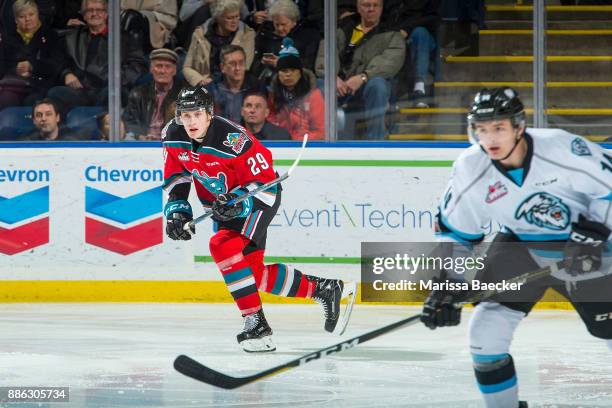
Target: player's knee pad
<point>226,247</point>
<point>494,373</point>
<point>492,327</point>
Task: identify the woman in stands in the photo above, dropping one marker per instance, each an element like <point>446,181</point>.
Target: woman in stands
<point>29,62</point>
<point>296,103</point>
<point>224,27</point>
<point>285,16</point>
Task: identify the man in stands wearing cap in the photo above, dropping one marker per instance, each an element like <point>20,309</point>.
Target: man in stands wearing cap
<point>151,105</point>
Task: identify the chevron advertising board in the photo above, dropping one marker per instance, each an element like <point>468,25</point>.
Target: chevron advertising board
<point>123,224</point>
<point>90,214</point>
<point>96,213</point>
<point>24,215</point>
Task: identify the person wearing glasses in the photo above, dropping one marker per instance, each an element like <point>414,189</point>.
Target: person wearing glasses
<point>85,71</point>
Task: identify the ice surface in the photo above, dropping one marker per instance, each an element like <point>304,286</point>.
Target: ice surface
<point>120,355</point>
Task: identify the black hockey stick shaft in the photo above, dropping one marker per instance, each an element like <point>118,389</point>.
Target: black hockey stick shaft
<point>200,372</point>
<point>253,192</point>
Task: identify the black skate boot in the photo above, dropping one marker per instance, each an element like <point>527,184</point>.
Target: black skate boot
<point>522,404</point>
<point>328,293</point>
<point>256,337</point>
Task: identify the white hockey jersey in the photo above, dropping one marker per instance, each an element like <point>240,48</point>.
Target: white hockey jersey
<point>564,175</point>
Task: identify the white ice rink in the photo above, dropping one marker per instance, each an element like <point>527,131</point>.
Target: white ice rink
<point>120,355</point>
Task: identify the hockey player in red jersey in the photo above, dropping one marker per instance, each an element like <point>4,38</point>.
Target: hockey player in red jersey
<point>224,161</point>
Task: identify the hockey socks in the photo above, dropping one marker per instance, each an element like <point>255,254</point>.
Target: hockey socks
<point>497,381</point>
<point>280,279</point>
<point>226,249</point>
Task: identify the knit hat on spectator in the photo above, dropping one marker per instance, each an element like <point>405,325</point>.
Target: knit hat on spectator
<point>165,54</point>
<point>289,56</point>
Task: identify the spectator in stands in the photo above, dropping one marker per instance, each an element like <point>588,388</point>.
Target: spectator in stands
<point>418,22</point>
<point>86,67</point>
<point>104,124</point>
<point>254,118</point>
<point>369,56</point>
<point>28,57</point>
<point>67,14</point>
<point>296,103</point>
<point>194,13</point>
<point>202,63</point>
<point>258,13</point>
<point>285,17</point>
<point>150,106</point>
<point>162,17</point>
<point>229,91</point>
<point>46,118</point>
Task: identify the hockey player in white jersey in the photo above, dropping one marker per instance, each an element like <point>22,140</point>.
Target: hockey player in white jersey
<point>543,186</point>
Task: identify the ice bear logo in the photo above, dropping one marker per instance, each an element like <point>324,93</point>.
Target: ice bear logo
<point>580,148</point>
<point>545,211</point>
<point>216,185</point>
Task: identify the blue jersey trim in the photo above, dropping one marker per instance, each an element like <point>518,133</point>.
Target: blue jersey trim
<point>517,176</point>
<point>607,197</point>
<point>542,237</point>
<point>480,358</point>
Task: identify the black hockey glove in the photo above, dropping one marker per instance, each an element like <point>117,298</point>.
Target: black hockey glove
<point>440,307</point>
<point>178,213</point>
<point>584,248</point>
<point>224,212</point>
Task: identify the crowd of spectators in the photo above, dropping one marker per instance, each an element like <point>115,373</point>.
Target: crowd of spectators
<point>261,59</point>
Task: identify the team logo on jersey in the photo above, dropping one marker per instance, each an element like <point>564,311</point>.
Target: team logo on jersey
<point>236,141</point>
<point>496,191</point>
<point>580,148</point>
<point>545,211</point>
<point>184,156</point>
<point>216,185</point>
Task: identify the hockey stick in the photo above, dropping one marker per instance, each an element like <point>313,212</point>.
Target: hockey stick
<point>200,372</point>
<point>256,191</point>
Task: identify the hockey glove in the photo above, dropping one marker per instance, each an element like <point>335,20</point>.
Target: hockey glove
<point>440,308</point>
<point>178,213</point>
<point>584,248</point>
<point>224,212</point>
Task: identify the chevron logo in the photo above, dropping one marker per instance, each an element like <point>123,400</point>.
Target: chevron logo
<point>123,225</point>
<point>24,221</point>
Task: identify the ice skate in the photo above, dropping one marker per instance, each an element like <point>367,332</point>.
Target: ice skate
<point>328,293</point>
<point>256,337</point>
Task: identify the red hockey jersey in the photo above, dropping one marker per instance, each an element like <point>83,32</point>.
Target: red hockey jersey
<point>228,158</point>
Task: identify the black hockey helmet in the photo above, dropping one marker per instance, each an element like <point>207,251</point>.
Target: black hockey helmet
<point>193,98</point>
<point>494,104</point>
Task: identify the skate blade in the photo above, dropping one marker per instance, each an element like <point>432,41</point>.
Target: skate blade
<point>350,291</point>
<point>262,345</point>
